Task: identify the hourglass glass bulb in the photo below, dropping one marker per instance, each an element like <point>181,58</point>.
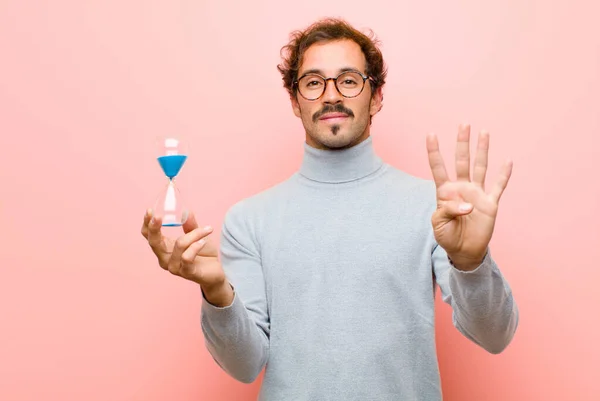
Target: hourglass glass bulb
<point>170,206</point>
<point>172,155</point>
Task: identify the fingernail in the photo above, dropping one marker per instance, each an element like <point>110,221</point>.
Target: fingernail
<point>207,228</point>
<point>464,207</point>
<point>200,242</point>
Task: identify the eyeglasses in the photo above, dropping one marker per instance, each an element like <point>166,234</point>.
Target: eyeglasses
<point>349,84</point>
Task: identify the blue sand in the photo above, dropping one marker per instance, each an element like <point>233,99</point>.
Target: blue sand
<point>172,225</point>
<point>171,164</point>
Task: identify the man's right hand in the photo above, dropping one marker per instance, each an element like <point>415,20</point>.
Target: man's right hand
<point>191,256</point>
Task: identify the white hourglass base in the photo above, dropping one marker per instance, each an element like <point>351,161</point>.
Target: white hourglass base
<point>170,206</point>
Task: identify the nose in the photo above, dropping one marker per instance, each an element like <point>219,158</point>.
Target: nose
<point>331,94</point>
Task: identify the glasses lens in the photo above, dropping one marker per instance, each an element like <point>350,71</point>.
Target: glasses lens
<point>350,84</point>
<point>311,86</point>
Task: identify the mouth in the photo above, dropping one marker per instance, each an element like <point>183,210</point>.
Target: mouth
<point>334,117</point>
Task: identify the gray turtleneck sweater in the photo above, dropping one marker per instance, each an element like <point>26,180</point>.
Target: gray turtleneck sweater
<point>334,273</point>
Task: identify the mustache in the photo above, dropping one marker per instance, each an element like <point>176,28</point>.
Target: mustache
<point>337,108</point>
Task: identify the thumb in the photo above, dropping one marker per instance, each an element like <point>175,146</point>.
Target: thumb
<point>189,221</point>
<point>452,209</point>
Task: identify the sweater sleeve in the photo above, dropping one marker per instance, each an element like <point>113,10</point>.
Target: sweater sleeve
<point>237,336</point>
<point>483,307</point>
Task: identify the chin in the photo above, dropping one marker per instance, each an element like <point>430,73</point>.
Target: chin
<point>339,140</point>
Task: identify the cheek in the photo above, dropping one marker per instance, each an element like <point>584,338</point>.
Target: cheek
<point>307,111</point>
<point>360,108</point>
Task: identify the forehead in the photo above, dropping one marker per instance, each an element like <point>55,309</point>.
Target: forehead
<point>329,58</point>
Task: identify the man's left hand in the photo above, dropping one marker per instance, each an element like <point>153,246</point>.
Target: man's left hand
<point>464,220</point>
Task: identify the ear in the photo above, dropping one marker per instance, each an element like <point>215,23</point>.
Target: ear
<point>376,101</point>
<point>295,106</point>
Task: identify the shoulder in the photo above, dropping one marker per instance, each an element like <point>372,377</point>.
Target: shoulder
<point>251,208</point>
<point>409,192</point>
<point>408,183</point>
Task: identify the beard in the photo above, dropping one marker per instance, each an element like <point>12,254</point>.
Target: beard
<point>336,136</point>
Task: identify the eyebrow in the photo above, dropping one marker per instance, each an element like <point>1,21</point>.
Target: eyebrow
<point>320,72</point>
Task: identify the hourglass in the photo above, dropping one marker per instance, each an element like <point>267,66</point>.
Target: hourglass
<point>171,154</point>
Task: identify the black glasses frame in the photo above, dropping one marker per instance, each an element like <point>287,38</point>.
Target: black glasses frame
<point>334,79</point>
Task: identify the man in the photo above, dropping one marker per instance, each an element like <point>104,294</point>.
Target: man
<point>328,278</point>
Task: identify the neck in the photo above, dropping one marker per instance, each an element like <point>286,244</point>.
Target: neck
<point>340,165</point>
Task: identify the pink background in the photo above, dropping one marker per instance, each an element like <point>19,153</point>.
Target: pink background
<point>86,312</point>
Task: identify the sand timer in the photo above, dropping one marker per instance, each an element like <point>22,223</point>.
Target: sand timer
<point>172,153</point>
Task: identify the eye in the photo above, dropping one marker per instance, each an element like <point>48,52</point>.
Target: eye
<point>348,82</point>
<point>311,82</point>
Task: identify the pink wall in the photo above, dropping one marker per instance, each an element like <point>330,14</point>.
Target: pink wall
<point>84,86</point>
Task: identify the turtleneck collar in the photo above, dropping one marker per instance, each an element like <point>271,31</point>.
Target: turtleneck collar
<point>336,166</point>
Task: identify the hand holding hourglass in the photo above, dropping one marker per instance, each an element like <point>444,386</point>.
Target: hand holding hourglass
<point>191,255</point>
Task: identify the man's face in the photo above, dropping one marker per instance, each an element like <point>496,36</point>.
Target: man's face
<point>334,121</point>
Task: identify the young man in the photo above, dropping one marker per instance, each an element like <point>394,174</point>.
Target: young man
<point>328,278</point>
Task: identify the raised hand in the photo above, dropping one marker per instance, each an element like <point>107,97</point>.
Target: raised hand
<point>464,220</point>
<point>191,256</point>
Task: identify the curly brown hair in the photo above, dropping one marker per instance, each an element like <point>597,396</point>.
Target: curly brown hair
<point>325,30</point>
